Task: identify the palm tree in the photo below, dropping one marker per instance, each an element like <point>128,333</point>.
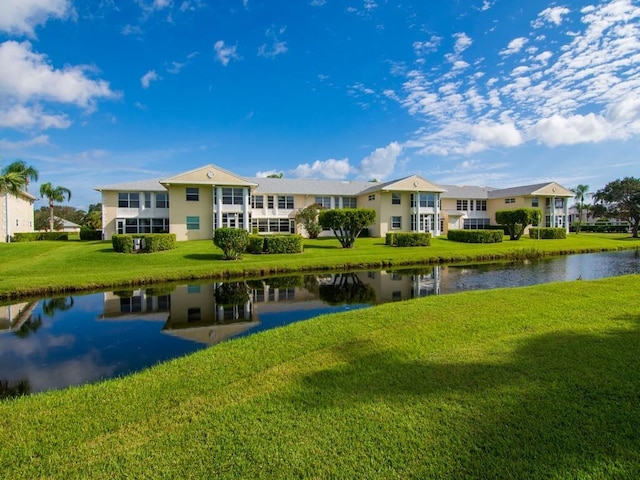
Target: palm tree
<point>20,167</point>
<point>581,192</point>
<point>54,194</point>
<point>11,182</point>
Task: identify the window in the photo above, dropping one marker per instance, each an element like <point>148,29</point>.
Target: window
<point>147,199</point>
<point>144,225</point>
<point>559,202</point>
<point>285,202</point>
<point>162,200</point>
<point>509,200</point>
<point>372,197</point>
<point>349,202</point>
<point>273,225</point>
<point>232,196</point>
<point>395,199</point>
<point>534,201</point>
<point>270,201</point>
<point>324,202</point>
<point>396,223</point>
<point>159,225</point>
<point>129,200</point>
<point>476,223</point>
<point>257,201</point>
<point>193,288</point>
<point>462,205</point>
<point>193,194</point>
<point>193,223</point>
<point>194,314</point>
<point>232,220</point>
<point>481,205</point>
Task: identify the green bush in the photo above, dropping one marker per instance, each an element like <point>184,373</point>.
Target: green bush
<point>37,236</point>
<point>284,244</point>
<point>406,239</point>
<point>476,236</point>
<point>149,242</point>
<point>256,244</point>
<point>232,242</point>
<point>547,233</point>
<point>87,233</point>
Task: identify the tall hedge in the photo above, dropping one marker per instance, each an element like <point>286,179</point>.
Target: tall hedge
<point>476,236</point>
<point>87,233</point>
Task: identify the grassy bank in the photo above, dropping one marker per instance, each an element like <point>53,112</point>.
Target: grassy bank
<point>538,382</point>
<point>52,267</point>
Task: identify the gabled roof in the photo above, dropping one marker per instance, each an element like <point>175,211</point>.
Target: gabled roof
<point>208,175</point>
<point>67,223</point>
<point>302,186</point>
<point>551,189</point>
<point>412,183</point>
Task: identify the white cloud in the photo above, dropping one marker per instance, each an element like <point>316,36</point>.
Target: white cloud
<point>317,3</point>
<point>550,15</point>
<point>39,141</point>
<point>462,42</point>
<point>431,45</point>
<point>331,169</point>
<point>149,77</point>
<point>28,76</point>
<point>267,173</point>
<point>514,46</point>
<point>25,117</point>
<point>225,53</point>
<point>558,130</point>
<point>380,163</point>
<point>275,47</point>
<point>131,30</point>
<point>22,16</point>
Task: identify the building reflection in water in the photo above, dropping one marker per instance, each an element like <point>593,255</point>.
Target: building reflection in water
<point>209,313</point>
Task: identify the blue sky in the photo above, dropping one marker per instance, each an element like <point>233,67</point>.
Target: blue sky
<point>469,92</point>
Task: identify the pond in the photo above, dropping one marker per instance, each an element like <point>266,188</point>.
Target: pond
<point>58,342</point>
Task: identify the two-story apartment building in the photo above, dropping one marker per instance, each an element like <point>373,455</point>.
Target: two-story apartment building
<point>193,204</point>
<point>16,214</point>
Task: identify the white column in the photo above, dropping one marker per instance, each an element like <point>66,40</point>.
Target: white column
<point>219,207</point>
<point>245,209</point>
<point>436,219</point>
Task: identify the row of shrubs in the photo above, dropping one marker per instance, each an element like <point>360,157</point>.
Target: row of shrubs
<point>148,242</point>
<point>604,227</point>
<point>37,236</point>
<point>476,236</point>
<point>234,242</point>
<point>547,233</point>
<point>408,239</point>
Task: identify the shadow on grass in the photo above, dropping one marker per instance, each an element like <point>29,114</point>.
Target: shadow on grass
<point>563,405</point>
<point>204,256</point>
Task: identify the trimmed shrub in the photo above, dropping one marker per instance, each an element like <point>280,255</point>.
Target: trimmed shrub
<point>149,242</point>
<point>38,236</point>
<point>122,243</point>
<point>232,242</point>
<point>408,239</point>
<point>476,236</point>
<point>284,244</point>
<point>87,233</point>
<point>256,244</point>
<point>547,233</point>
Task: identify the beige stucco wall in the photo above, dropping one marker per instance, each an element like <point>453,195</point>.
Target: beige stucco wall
<point>20,211</point>
<point>180,209</point>
<point>109,212</point>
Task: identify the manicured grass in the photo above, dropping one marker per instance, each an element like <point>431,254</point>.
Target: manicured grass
<point>535,382</point>
<point>53,267</point>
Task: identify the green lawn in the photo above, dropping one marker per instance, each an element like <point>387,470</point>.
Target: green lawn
<point>535,382</point>
<point>54,267</point>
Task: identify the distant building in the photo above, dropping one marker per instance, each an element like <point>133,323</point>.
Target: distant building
<point>16,214</point>
<point>193,204</point>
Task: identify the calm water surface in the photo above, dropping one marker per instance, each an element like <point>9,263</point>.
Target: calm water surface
<point>57,342</point>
